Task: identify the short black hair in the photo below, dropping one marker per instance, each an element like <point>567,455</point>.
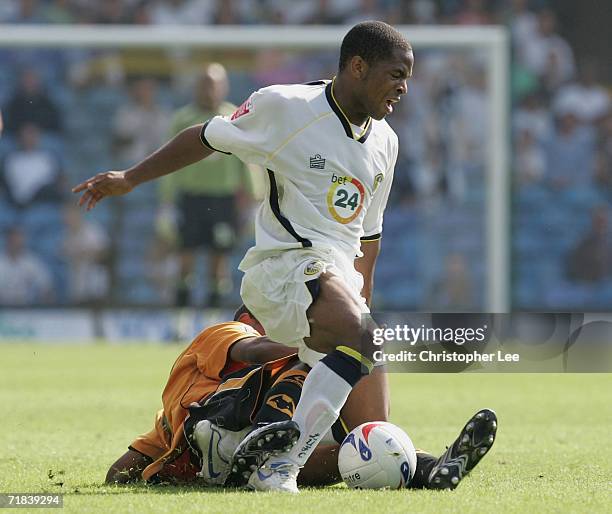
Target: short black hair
<point>372,41</point>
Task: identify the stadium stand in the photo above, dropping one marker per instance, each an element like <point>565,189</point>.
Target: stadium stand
<point>437,208</point>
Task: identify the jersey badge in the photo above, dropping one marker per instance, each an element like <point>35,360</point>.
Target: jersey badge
<point>377,180</point>
<point>313,267</point>
<point>317,162</point>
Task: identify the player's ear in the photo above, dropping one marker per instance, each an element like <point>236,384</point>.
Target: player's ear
<point>358,67</point>
<point>245,318</point>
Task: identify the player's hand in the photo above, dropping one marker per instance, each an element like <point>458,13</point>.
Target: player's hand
<point>94,189</point>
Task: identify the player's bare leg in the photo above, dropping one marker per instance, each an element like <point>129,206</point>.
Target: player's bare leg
<point>369,400</point>
<point>338,330</point>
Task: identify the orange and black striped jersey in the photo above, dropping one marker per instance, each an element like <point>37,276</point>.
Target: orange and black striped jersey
<point>195,375</point>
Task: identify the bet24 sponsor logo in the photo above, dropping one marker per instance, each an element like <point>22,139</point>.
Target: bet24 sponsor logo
<point>345,198</point>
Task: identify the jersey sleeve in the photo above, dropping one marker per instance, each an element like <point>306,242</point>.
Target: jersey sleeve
<point>373,221</point>
<point>251,132</point>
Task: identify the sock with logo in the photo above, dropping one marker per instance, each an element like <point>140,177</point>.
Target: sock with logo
<point>280,401</point>
<point>325,391</point>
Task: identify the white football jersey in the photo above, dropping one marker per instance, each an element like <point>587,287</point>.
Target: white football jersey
<point>328,186</point>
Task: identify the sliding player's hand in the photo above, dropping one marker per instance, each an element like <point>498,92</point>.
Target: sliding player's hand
<point>94,189</point>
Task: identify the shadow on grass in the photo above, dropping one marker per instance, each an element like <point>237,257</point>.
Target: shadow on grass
<point>98,489</point>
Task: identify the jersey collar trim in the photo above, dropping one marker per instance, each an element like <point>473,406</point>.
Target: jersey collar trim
<point>331,99</point>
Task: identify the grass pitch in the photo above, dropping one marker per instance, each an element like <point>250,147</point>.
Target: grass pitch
<point>70,411</point>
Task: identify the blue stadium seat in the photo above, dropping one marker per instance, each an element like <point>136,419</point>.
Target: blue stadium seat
<point>526,295</point>
<point>399,296</point>
<point>102,214</point>
<point>106,99</point>
<point>139,216</point>
<point>584,196</point>
<point>131,266</point>
<point>59,272</point>
<point>130,242</point>
<point>9,216</point>
<point>7,144</point>
<point>42,219</point>
<point>48,245</point>
<point>568,295</point>
<point>527,244</point>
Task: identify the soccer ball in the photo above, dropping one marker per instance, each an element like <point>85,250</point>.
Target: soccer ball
<point>377,455</point>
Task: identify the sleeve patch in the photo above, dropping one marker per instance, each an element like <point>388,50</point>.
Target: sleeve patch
<point>245,108</point>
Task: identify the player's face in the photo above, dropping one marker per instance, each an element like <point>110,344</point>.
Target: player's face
<point>385,83</point>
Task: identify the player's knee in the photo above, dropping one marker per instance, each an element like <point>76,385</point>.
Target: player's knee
<point>349,328</point>
<point>115,476</point>
<point>122,476</point>
<point>356,334</point>
<point>128,468</point>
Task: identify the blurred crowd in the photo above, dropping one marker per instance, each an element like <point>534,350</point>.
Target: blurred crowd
<point>247,12</point>
<point>68,113</point>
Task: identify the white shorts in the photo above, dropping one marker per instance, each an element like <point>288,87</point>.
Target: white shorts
<point>274,290</point>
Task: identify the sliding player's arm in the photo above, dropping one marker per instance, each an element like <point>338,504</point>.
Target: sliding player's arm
<point>258,350</point>
<point>184,149</point>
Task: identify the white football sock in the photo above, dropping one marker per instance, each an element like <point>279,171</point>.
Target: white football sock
<point>323,395</point>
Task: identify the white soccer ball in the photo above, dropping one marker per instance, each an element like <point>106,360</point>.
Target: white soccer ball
<point>377,455</point>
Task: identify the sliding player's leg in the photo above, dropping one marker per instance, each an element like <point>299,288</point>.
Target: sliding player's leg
<point>128,468</point>
<point>474,442</point>
<point>276,410</point>
<point>217,444</point>
<point>369,400</point>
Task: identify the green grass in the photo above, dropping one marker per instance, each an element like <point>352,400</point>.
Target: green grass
<point>72,410</point>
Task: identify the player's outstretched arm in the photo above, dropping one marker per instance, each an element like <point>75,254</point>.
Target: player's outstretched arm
<point>259,350</point>
<point>184,149</point>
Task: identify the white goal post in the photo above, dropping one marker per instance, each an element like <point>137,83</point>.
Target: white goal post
<point>493,40</point>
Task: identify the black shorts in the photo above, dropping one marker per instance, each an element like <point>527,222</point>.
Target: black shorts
<point>208,222</point>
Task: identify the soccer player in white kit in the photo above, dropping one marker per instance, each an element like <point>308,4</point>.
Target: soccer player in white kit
<point>329,156</point>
